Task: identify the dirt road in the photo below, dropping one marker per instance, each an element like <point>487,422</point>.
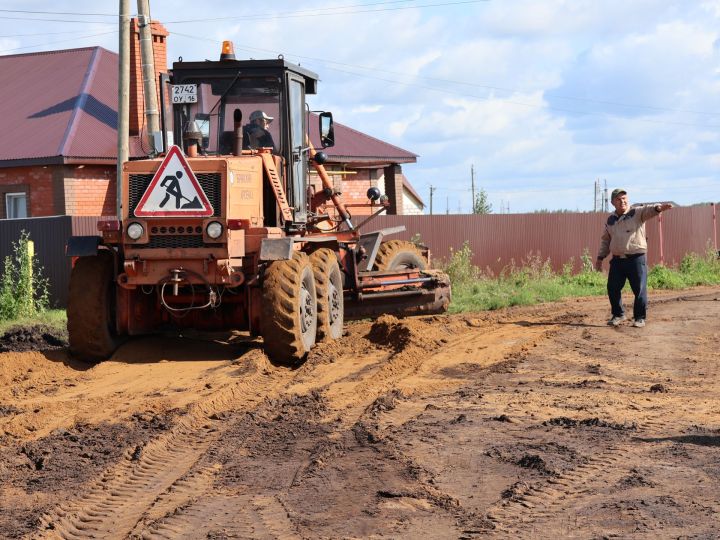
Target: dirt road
<point>537,422</point>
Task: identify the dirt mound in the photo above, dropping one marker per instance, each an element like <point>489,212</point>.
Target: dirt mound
<point>401,334</point>
<point>32,338</point>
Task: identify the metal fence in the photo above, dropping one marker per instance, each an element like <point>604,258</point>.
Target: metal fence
<point>497,241</point>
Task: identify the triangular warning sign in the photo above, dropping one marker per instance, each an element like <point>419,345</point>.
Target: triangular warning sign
<point>174,191</point>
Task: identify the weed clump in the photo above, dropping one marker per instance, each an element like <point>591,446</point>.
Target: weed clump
<point>23,289</point>
<point>533,279</point>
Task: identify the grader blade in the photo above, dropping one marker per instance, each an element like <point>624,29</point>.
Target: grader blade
<point>424,292</point>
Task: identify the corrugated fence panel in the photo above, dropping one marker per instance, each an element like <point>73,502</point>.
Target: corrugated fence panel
<point>499,240</point>
<point>49,234</point>
<point>685,230</point>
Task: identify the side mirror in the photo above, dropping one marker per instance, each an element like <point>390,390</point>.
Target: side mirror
<point>327,134</point>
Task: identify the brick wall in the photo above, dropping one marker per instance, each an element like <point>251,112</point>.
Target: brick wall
<point>36,182</point>
<point>90,191</point>
<point>159,38</point>
<point>54,190</point>
<point>354,190</point>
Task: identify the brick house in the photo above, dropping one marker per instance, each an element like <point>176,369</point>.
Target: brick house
<point>59,148</point>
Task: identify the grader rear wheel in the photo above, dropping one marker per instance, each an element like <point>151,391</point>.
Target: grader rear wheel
<point>399,255</point>
<point>289,310</point>
<point>329,288</point>
<point>91,308</point>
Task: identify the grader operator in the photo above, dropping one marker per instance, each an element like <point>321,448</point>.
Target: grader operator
<point>218,235</point>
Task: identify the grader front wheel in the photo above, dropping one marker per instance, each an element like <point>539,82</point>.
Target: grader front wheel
<point>91,308</point>
<point>399,255</point>
<point>329,288</point>
<point>289,310</point>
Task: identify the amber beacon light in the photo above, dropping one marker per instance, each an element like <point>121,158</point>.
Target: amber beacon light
<point>228,51</point>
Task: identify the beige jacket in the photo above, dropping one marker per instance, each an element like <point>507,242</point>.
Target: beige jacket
<point>625,235</point>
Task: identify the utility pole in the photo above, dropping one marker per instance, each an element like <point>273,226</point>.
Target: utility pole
<point>123,123</point>
<point>595,193</point>
<point>432,189</point>
<point>447,205</point>
<point>606,206</point>
<point>148,72</point>
<point>472,186</point>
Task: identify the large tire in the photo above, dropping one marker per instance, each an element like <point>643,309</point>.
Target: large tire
<point>289,310</point>
<point>329,289</point>
<point>91,308</point>
<point>399,255</point>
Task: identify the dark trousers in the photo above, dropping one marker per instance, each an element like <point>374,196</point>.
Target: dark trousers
<point>634,269</point>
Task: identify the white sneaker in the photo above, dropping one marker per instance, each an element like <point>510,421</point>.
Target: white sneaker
<point>639,323</point>
<point>615,321</point>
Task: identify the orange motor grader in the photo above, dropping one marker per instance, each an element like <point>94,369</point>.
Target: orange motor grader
<point>224,230</point>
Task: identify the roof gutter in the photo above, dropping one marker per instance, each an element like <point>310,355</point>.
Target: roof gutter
<point>55,160</point>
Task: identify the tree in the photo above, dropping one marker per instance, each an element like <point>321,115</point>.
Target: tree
<point>481,205</point>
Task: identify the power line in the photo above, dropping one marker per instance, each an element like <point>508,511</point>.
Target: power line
<point>486,98</point>
<point>59,41</point>
<point>39,34</point>
<point>59,13</point>
<point>328,11</point>
<point>52,20</point>
<point>529,105</point>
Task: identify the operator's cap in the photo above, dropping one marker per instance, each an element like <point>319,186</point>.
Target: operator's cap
<point>616,192</point>
<point>260,114</point>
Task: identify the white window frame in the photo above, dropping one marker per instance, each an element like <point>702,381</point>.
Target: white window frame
<point>8,203</point>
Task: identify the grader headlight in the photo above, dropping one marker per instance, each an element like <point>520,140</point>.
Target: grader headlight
<point>214,230</point>
<point>135,231</point>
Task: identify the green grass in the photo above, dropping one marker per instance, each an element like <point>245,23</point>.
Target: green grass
<point>55,318</point>
<point>534,281</point>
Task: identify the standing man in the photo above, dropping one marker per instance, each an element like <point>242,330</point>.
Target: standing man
<point>624,238</point>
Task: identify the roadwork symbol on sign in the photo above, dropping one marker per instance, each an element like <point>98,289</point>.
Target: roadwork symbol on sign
<point>174,191</point>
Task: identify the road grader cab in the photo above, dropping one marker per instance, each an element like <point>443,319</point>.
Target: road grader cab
<point>224,231</point>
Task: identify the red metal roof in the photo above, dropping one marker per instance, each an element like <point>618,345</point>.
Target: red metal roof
<point>60,105</point>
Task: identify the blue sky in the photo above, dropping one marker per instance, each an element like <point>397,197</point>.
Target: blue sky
<point>541,98</point>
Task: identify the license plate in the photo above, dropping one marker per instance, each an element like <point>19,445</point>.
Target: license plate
<point>184,93</point>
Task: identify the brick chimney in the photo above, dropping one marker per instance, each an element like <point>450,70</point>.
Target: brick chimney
<point>159,41</point>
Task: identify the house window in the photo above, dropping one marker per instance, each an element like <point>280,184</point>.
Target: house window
<point>15,205</point>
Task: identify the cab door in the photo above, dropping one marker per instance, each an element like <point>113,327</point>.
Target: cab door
<point>298,148</point>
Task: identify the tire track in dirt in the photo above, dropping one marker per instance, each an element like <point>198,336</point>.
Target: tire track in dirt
<point>537,506</point>
<point>214,515</point>
<point>116,502</point>
<point>423,356</point>
<point>168,517</point>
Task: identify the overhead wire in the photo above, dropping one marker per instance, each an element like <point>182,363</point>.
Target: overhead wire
<point>83,13</point>
<point>4,17</point>
<point>399,74</point>
<point>39,34</point>
<point>486,98</point>
<point>58,41</point>
<point>330,11</point>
